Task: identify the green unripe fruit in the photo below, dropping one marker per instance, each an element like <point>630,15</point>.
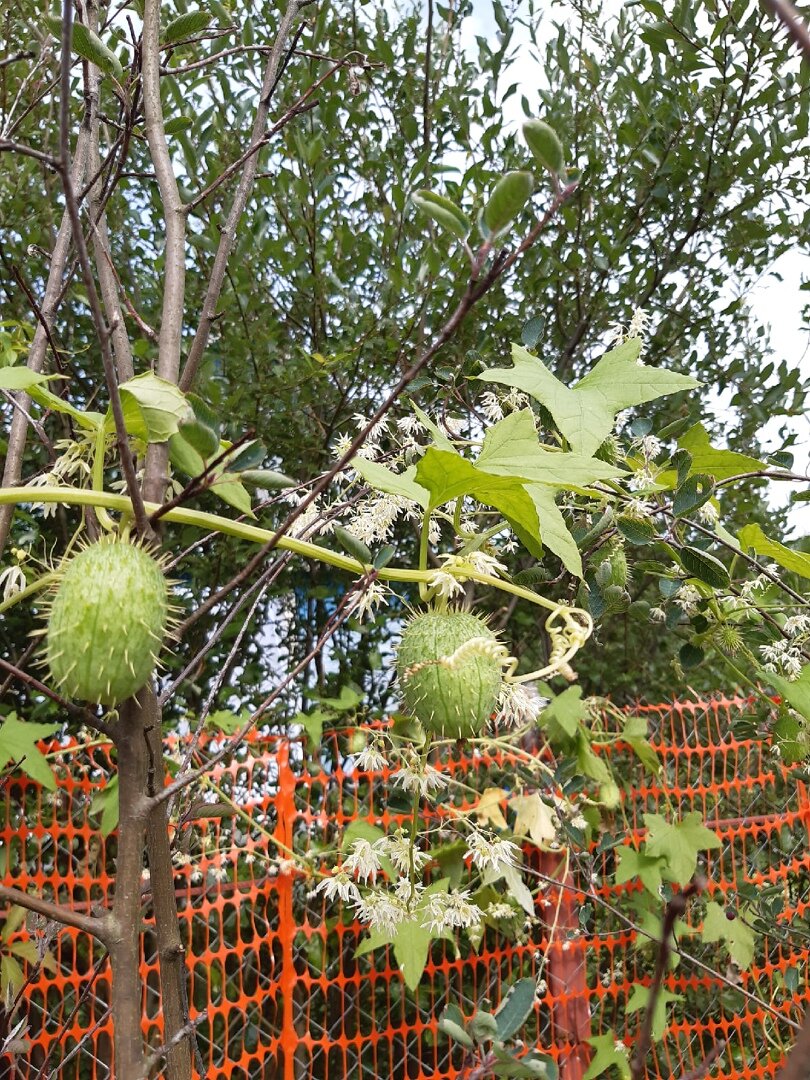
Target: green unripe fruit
<point>613,569</point>
<point>107,621</point>
<point>510,195</point>
<point>450,672</point>
<point>544,143</point>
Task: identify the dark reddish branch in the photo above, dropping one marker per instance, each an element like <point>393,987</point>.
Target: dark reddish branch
<point>792,21</point>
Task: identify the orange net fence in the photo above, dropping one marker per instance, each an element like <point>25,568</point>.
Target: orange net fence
<point>275,988</point>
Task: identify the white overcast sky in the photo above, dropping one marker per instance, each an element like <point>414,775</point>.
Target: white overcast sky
<point>776,303</point>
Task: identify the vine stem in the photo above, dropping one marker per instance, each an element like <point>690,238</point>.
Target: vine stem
<point>254,534</point>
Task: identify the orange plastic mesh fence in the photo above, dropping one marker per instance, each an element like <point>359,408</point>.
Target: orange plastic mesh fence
<point>274,980</point>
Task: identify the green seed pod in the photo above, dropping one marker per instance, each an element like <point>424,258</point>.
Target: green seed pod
<point>507,200</point>
<point>545,145</point>
<point>450,672</point>
<point>106,623</point>
<point>613,569</point>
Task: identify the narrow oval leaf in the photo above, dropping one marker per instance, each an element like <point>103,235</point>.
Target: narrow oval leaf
<point>185,26</point>
<point>545,145</point>
<point>90,47</point>
<point>267,479</point>
<point>177,124</point>
<point>704,566</point>
<point>692,494</point>
<point>442,211</point>
<point>201,437</point>
<point>515,1008</point>
<point>248,456</point>
<point>510,195</point>
<point>354,547</point>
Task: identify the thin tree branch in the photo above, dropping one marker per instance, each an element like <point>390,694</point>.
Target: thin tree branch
<point>88,924</point>
<point>243,190</point>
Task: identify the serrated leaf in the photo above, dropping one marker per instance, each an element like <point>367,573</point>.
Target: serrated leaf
<point>514,1010</point>
<point>21,378</point>
<point>797,562</point>
<point>636,864</point>
<point>382,479</point>
<point>18,745</point>
<point>554,531</point>
<point>696,490</point>
<point>637,532</point>
<point>512,448</point>
<point>585,414</point>
<point>679,843</point>
<point>87,44</point>
<point>721,464</point>
<point>186,26</point>
<point>442,211</point>
<point>488,808</point>
<point>567,709</point>
<point>701,564</point>
<point>734,933</point>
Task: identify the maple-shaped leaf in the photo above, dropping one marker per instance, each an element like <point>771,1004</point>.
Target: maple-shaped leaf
<point>18,746</point>
<point>586,412</point>
<point>488,808</point>
<point>512,448</point>
<point>639,998</point>
<point>533,819</point>
<point>679,843</point>
<point>798,562</point>
<point>721,464</point>
<point>609,1052</point>
<point>737,936</point>
<point>448,476</point>
<point>636,864</point>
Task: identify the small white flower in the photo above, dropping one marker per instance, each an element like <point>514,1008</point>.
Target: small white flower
<point>371,597</point>
<point>371,759</point>
<point>423,781</point>
<point>341,447</point>
<point>519,704</point>
<point>797,624</point>
<point>495,855</point>
<point>491,407</point>
<point>687,598</point>
<point>449,911</point>
<point>649,445</point>
<point>382,911</point>
<point>340,885</point>
<point>445,584</point>
<point>399,850</point>
<point>12,581</point>
<point>363,861</point>
<point>708,514</point>
<point>409,425</point>
<point>500,911</point>
<point>657,614</point>
<point>638,323</point>
<point>516,399</point>
<point>453,425</point>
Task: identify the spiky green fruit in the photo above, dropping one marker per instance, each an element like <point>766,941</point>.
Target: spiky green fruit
<point>107,621</point>
<point>450,670</point>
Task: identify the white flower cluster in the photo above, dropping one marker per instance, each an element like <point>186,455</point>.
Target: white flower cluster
<point>369,598</point>
<point>375,517</point>
<point>783,657</point>
<point>518,705</point>
<point>12,579</point>
<point>489,854</point>
<point>457,568</point>
<point>384,909</point>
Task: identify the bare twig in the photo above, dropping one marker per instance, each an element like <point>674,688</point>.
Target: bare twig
<point>706,1065</point>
